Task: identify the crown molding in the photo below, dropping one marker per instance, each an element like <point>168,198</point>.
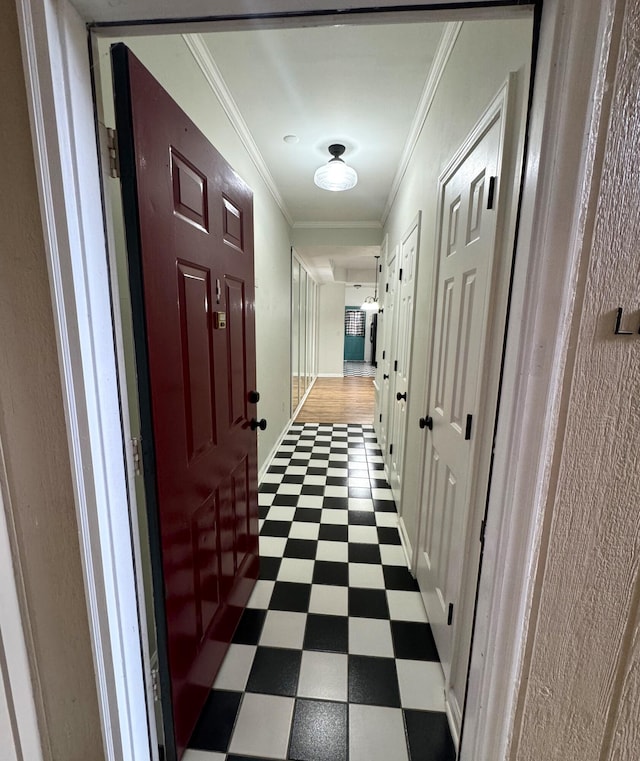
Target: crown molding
<point>215,80</point>
<point>445,48</point>
<point>375,225</point>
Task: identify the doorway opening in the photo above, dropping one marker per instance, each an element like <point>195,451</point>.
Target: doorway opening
<point>397,430</point>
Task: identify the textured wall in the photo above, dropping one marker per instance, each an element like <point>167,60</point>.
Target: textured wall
<point>33,435</point>
<point>581,701</point>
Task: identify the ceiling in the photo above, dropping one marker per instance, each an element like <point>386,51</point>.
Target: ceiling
<point>114,11</point>
<point>356,85</point>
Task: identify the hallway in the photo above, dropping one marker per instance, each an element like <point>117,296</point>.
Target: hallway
<point>333,660</point>
<point>339,400</point>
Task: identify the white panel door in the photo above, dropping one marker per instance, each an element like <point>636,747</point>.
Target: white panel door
<point>388,351</point>
<point>379,421</point>
<point>465,261</point>
<point>402,362</point>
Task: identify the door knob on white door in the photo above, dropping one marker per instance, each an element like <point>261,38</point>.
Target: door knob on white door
<point>400,396</point>
<point>426,422</point>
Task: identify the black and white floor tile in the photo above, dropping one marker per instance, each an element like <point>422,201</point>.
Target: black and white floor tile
<point>360,369</point>
<point>333,659</point>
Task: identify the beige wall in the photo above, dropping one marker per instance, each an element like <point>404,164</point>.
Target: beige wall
<point>581,695</point>
<point>172,64</point>
<point>482,58</point>
<point>38,484</point>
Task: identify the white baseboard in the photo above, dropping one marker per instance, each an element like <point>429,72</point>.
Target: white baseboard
<point>285,430</point>
<point>302,401</point>
<point>404,540</point>
<point>269,459</point>
<point>330,375</point>
<point>455,735</point>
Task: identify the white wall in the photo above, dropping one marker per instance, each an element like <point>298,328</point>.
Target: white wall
<point>354,297</point>
<point>464,92</point>
<point>331,328</point>
<point>170,61</point>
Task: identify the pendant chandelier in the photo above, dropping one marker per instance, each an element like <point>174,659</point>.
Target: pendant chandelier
<point>336,175</point>
<point>370,304</point>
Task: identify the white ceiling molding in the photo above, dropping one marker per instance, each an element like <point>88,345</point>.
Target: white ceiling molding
<point>214,78</point>
<point>337,225</point>
<point>445,48</point>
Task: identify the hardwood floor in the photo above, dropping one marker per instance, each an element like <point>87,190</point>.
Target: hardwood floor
<point>339,400</point>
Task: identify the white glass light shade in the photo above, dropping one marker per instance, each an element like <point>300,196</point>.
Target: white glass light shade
<point>335,175</point>
<point>370,304</point>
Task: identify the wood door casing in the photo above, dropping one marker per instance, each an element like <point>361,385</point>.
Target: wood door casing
<point>189,228</point>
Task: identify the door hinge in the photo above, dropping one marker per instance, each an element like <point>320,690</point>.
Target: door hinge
<point>379,268</point>
<point>450,614</point>
<point>395,366</point>
<point>114,157</point>
<point>386,288</point>
<point>136,453</point>
<point>467,430</point>
<point>483,526</point>
<point>390,448</point>
<point>155,685</point>
<point>384,353</point>
<point>491,193</point>
<point>400,274</point>
<point>380,417</point>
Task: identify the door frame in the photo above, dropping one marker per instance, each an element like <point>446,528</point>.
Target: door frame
<point>564,117</point>
<point>501,109</point>
<point>415,224</point>
<point>17,695</point>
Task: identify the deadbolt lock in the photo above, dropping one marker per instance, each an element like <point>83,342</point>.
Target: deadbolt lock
<point>220,320</point>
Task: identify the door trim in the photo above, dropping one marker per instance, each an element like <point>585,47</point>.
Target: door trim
<point>60,101</point>
<point>17,683</point>
<point>550,245</point>
<point>509,167</point>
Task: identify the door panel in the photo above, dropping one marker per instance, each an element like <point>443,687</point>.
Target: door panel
<point>463,285</point>
<point>189,228</point>
<point>236,350</point>
<point>194,296</point>
<point>402,364</point>
<point>390,337</point>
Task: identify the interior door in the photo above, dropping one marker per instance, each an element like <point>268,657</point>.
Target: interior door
<point>355,321</point>
<point>402,362</point>
<point>189,229</point>
<point>467,210</point>
<point>388,352</point>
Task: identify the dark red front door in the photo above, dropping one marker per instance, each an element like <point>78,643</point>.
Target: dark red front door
<point>189,226</point>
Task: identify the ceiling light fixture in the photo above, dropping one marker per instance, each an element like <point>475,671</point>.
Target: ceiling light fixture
<point>370,304</point>
<point>336,175</point>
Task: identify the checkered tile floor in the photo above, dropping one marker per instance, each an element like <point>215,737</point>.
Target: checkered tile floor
<point>333,660</point>
<point>362,369</point>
